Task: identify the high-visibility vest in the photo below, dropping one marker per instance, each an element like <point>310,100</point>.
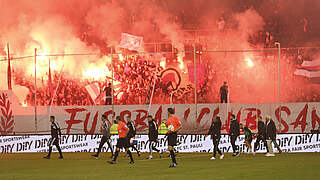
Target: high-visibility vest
<point>163,129</point>
<point>114,129</point>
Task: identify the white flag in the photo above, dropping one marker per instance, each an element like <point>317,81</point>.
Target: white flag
<point>131,42</point>
<point>310,69</point>
<point>94,91</point>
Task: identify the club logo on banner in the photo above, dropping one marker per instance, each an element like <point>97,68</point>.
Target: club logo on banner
<point>187,143</point>
<point>131,42</point>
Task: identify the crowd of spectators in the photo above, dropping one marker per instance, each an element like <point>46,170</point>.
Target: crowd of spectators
<point>135,78</point>
<point>71,92</point>
<point>135,75</point>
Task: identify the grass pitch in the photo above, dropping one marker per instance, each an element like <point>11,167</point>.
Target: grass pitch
<point>198,166</point>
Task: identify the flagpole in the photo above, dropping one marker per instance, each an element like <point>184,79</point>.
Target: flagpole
<point>35,90</point>
<point>55,91</point>
<point>171,102</point>
<point>279,53</point>
<point>227,103</point>
<point>112,93</point>
<point>9,69</point>
<point>153,88</point>
<point>195,80</point>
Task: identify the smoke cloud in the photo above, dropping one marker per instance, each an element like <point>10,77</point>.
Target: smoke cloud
<point>91,26</point>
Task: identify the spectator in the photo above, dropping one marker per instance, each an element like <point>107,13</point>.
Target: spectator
<point>224,93</point>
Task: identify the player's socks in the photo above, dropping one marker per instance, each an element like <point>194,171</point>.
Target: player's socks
<point>50,150</point>
<point>173,158</point>
<point>116,156</point>
<point>130,155</point>
<point>110,146</point>
<point>60,152</point>
<point>150,149</point>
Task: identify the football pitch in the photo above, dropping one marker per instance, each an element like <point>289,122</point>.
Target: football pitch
<point>80,166</point>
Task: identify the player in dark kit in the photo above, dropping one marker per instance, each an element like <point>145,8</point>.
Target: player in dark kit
<point>132,133</point>
<point>215,132</point>
<point>105,138</point>
<point>261,134</point>
<point>248,136</point>
<point>271,132</point>
<point>234,133</point>
<point>153,136</point>
<point>174,126</point>
<point>123,141</point>
<point>55,136</point>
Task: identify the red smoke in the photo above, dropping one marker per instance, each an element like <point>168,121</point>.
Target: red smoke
<point>91,26</point>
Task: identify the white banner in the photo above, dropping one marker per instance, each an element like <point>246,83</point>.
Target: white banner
<point>131,42</point>
<point>188,143</point>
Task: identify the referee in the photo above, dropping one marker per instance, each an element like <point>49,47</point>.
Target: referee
<point>54,140</point>
<point>105,138</point>
<point>174,126</point>
<point>123,141</point>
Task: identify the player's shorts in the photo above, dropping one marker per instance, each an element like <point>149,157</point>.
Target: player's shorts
<point>53,141</point>
<point>248,138</point>
<point>123,143</point>
<point>172,139</point>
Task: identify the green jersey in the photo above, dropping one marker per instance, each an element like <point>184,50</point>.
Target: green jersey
<point>247,131</point>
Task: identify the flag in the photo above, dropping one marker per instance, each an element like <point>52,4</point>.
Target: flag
<point>309,69</point>
<point>200,73</point>
<point>148,95</point>
<point>94,92</point>
<point>50,80</point>
<point>131,42</point>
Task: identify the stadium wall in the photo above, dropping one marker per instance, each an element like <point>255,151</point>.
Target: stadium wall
<point>195,119</point>
<point>188,143</point>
